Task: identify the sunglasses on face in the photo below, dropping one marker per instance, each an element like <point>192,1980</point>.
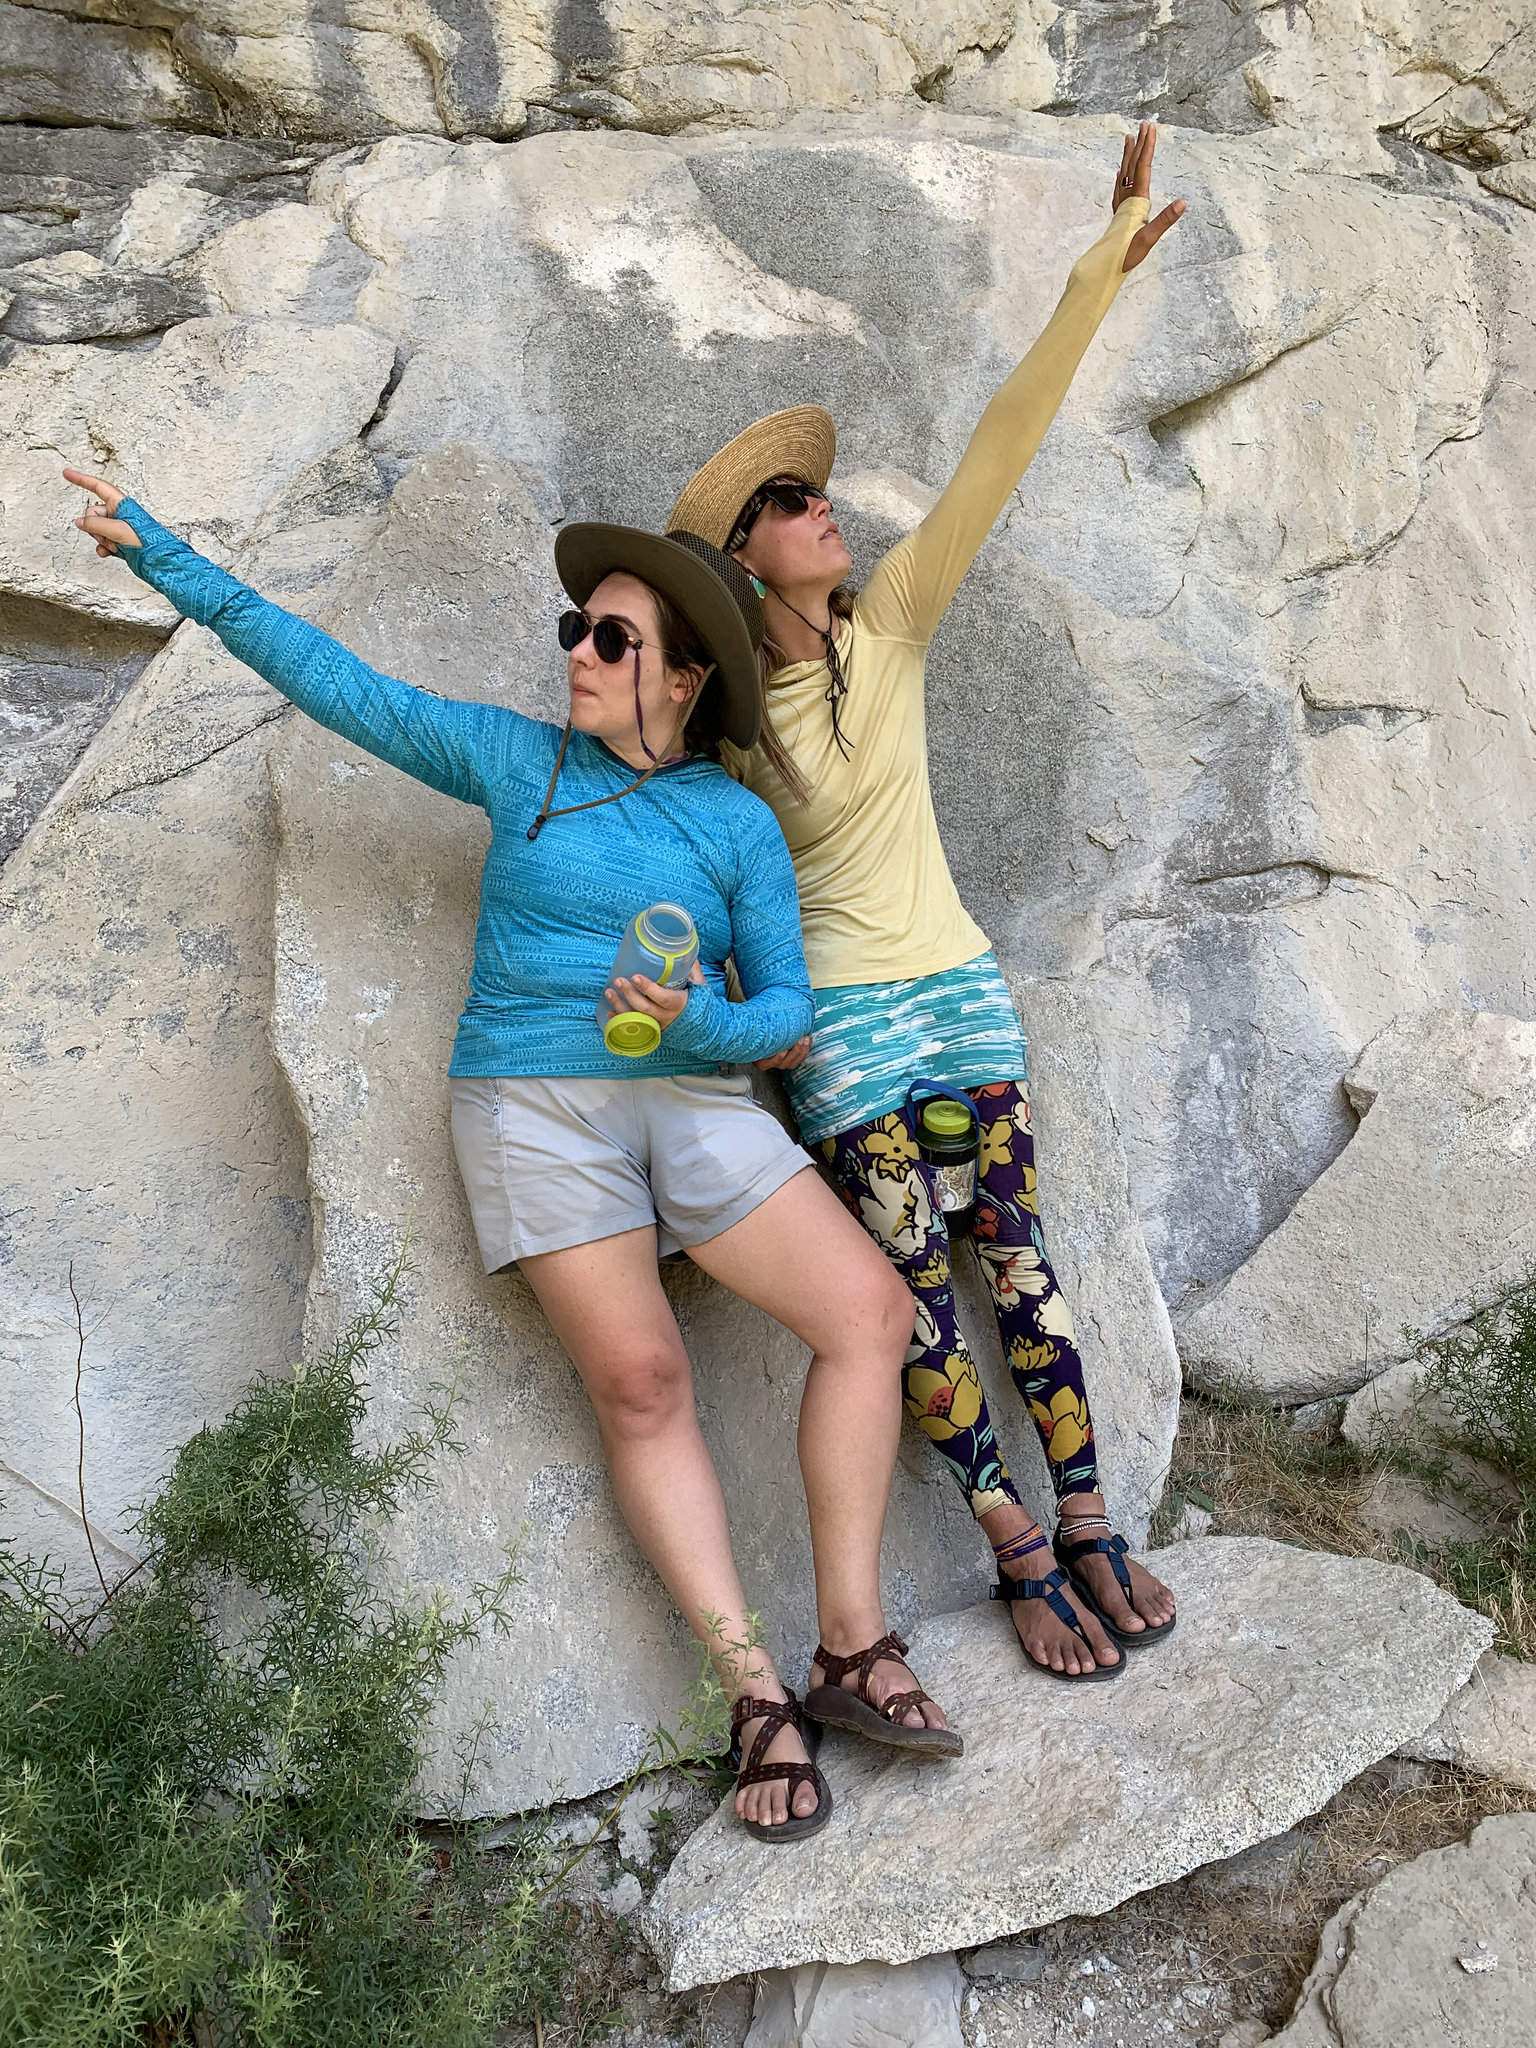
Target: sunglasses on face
<point>788,497</point>
<point>610,640</point>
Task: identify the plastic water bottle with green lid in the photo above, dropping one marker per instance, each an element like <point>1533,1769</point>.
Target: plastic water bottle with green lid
<point>662,944</point>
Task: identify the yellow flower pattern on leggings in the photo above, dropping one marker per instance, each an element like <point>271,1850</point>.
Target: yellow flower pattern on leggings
<point>888,1188</point>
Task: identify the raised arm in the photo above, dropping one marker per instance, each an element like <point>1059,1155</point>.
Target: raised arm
<point>910,589</point>
<point>439,741</point>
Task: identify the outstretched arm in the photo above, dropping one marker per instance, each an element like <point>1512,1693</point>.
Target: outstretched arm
<point>438,740</point>
<point>911,587</point>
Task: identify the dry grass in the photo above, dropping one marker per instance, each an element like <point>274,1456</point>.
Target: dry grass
<point>1257,1474</point>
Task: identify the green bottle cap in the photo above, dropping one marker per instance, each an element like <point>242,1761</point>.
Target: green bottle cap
<point>632,1033</point>
<point>946,1119</point>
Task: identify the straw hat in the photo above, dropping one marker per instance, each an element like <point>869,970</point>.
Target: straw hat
<point>714,593</point>
<point>801,442</point>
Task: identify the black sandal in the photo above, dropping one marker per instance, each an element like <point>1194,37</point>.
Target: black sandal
<point>1052,1589</point>
<point>1114,1548</point>
<point>775,1715</point>
<point>836,1707</point>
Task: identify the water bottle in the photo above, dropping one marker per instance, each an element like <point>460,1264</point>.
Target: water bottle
<point>662,944</point>
<point>949,1141</point>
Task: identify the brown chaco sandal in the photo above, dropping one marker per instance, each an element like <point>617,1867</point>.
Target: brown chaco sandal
<point>775,1715</point>
<point>836,1707</point>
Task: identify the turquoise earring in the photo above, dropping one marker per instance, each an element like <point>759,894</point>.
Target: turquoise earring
<point>758,585</point>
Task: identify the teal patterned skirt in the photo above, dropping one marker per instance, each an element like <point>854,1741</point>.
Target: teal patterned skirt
<point>872,1040</point>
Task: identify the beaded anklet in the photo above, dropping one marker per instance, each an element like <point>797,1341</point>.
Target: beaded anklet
<point>1013,1548</point>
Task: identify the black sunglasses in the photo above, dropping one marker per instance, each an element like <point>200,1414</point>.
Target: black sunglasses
<point>609,639</point>
<point>788,498</point>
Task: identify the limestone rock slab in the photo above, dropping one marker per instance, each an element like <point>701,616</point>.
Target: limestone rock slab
<point>207,430</point>
<point>147,1136</point>
<point>1489,1726</point>
<point>1289,1672</point>
<point>876,2005</point>
<point>147,1146</point>
<point>1442,1949</point>
<point>1427,1216</point>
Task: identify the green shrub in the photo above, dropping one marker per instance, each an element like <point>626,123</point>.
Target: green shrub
<point>1485,1381</point>
<point>1486,1377</point>
<point>205,1829</point>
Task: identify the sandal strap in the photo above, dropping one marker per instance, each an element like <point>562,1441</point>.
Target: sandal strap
<point>1113,1547</point>
<point>863,1661</point>
<point>899,1704</point>
<point>794,1775</point>
<point>1051,1589</point>
<point>775,1715</point>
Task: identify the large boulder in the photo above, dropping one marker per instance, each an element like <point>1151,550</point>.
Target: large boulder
<point>1181,754</point>
<point>1443,1949</point>
<point>152,1172</point>
<point>1203,733</point>
<point>1489,1726</point>
<point>1427,1216</point>
<point>1289,1672</point>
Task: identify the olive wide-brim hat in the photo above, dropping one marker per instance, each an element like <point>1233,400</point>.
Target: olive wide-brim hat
<point>800,442</point>
<point>714,593</point>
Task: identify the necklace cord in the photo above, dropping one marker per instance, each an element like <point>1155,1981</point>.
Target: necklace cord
<point>837,686</point>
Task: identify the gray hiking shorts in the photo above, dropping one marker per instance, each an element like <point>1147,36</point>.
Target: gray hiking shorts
<point>552,1163</point>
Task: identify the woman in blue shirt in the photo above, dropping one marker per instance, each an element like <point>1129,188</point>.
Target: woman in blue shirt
<point>579,1163</point>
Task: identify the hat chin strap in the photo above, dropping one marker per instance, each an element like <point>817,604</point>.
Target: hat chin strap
<point>545,813</point>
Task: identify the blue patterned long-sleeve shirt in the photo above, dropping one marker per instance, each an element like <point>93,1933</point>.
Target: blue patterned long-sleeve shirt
<point>552,909</point>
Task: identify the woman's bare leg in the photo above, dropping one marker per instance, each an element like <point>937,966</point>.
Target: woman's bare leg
<point>607,1307</point>
<point>801,1257</point>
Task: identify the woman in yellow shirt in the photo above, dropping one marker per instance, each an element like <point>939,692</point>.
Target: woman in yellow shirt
<point>905,982</point>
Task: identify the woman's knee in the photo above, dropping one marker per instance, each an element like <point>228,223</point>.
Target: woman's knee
<point>643,1391</point>
<point>882,1300</point>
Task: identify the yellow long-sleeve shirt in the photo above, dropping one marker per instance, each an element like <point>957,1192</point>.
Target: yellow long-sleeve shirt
<point>877,902</point>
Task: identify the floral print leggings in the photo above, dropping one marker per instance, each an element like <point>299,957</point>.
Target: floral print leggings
<point>889,1189</point>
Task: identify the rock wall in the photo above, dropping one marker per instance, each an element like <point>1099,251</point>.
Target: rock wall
<point>1231,724</point>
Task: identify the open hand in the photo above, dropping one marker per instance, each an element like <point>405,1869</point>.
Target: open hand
<point>785,1061</point>
<point>1134,181</point>
<point>650,998</point>
<point>108,533</point>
